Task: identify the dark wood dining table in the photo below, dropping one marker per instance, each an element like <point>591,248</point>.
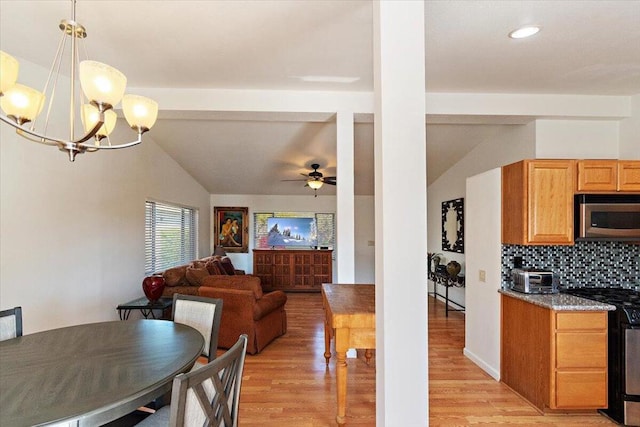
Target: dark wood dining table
<point>88,375</point>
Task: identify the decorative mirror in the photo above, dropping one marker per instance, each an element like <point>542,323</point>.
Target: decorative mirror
<point>453,225</point>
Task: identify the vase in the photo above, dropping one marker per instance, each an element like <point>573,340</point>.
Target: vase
<point>153,287</point>
<point>453,268</point>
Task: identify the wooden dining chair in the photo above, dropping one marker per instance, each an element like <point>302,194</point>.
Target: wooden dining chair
<point>202,314</point>
<point>10,323</point>
<point>209,395</point>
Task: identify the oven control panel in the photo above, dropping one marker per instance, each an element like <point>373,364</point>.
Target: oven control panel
<point>633,314</point>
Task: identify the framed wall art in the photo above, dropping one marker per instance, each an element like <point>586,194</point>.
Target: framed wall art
<point>231,229</point>
<point>453,226</point>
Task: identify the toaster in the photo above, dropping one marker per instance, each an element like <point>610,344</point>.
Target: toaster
<point>534,281</point>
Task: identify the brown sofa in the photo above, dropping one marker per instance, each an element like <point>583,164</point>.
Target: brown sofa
<point>247,310</point>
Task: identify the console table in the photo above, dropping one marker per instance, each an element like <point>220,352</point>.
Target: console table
<point>447,281</point>
<point>301,270</point>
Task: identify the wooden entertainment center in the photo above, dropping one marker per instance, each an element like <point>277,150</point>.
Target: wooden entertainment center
<point>296,270</point>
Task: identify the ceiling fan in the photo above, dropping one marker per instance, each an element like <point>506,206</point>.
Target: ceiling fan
<point>315,180</point>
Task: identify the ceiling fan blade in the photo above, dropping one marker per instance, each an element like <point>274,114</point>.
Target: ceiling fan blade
<point>304,174</point>
<point>283,180</point>
<point>330,180</point>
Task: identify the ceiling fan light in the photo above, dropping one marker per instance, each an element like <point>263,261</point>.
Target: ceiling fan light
<point>524,32</point>
<point>101,83</point>
<point>9,67</point>
<point>141,113</point>
<point>22,103</point>
<point>91,115</point>
<point>314,184</point>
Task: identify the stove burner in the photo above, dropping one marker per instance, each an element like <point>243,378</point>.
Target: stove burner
<point>620,297</point>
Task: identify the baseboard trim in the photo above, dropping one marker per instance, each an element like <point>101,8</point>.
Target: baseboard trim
<point>495,374</point>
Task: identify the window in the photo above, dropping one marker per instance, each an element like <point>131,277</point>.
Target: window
<point>325,223</point>
<point>170,236</point>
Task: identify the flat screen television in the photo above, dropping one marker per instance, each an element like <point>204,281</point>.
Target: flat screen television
<point>297,232</point>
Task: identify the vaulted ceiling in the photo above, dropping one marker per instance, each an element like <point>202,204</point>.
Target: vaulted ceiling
<point>585,47</point>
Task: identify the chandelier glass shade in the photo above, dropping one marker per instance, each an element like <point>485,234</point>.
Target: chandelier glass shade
<point>103,88</point>
<point>315,184</point>
<point>21,103</point>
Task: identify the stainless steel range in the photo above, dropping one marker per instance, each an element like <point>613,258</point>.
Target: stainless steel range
<point>624,350</point>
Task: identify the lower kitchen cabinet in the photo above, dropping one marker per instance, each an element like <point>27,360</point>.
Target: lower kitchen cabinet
<point>554,359</point>
<point>579,361</point>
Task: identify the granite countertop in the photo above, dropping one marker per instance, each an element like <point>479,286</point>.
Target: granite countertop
<point>560,302</point>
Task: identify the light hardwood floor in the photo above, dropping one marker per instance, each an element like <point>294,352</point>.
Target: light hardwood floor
<point>289,384</point>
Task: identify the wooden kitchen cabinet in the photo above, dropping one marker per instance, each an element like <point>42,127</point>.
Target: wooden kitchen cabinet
<point>608,176</point>
<point>629,175</point>
<point>537,202</point>
<point>293,269</point>
<point>554,359</point>
<point>597,175</point>
<point>578,360</point>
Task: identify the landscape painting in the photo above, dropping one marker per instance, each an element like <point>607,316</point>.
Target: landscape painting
<point>298,232</point>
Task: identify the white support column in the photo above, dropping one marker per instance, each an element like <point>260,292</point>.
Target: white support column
<point>345,198</point>
<point>400,205</point>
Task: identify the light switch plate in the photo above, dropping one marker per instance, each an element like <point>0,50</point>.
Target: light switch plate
<point>483,276</point>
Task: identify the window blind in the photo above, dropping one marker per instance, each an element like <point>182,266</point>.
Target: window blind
<point>171,236</point>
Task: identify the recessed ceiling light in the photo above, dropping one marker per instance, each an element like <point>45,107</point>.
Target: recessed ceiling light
<point>524,32</point>
<point>328,79</point>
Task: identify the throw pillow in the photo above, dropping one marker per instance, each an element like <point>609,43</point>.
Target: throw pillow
<point>228,266</point>
<point>195,275</point>
<point>198,263</point>
<point>220,267</point>
<point>213,268</point>
<point>175,276</point>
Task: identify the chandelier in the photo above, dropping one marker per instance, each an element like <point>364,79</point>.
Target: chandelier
<point>102,86</point>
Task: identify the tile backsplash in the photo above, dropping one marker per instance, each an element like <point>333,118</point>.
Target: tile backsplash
<point>601,264</point>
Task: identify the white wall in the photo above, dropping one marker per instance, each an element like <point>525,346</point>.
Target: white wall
<point>515,143</point>
<point>483,252</point>
<point>364,215</point>
<point>630,132</point>
<point>72,244</point>
<point>577,139</point>
<point>365,239</point>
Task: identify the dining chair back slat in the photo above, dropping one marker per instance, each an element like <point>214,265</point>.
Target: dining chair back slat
<point>10,323</point>
<point>207,396</point>
<point>204,315</point>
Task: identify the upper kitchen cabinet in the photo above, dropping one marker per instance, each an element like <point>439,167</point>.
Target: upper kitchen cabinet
<point>628,175</point>
<point>608,176</point>
<point>537,202</point>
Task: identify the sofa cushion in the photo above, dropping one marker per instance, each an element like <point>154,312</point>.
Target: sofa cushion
<point>184,290</point>
<point>175,276</point>
<point>247,283</point>
<point>195,275</point>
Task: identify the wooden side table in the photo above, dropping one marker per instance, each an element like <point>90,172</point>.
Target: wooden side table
<point>146,308</point>
<point>350,320</point>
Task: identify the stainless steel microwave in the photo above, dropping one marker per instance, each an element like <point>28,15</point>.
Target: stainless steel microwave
<point>607,217</point>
